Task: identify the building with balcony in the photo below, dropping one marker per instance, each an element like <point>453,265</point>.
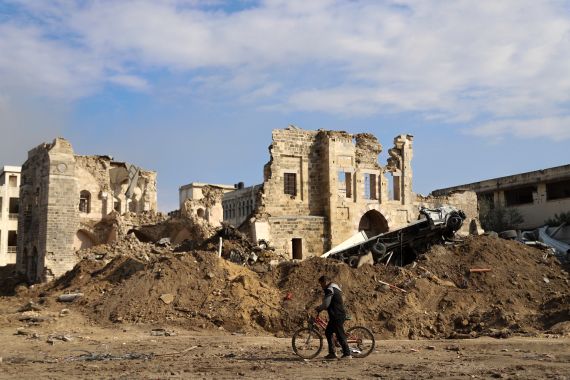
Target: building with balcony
<point>9,209</point>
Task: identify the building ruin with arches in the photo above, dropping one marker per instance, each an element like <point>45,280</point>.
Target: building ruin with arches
<point>67,202</point>
<point>322,187</point>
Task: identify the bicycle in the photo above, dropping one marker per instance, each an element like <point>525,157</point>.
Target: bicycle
<point>307,341</point>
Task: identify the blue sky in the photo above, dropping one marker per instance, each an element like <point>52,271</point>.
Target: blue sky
<point>192,89</point>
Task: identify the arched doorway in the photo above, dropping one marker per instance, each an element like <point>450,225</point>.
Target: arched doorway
<point>373,223</point>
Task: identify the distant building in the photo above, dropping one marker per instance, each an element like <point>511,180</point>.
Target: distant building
<point>240,203</point>
<point>204,200</point>
<point>9,208</point>
<point>537,195</point>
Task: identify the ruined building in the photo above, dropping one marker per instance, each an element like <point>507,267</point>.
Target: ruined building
<point>321,187</point>
<point>204,201</point>
<point>538,195</point>
<point>69,202</point>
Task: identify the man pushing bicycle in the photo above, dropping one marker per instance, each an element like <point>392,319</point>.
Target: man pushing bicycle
<point>332,302</point>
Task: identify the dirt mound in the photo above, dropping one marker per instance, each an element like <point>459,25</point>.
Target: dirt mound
<point>524,291</point>
<point>195,289</point>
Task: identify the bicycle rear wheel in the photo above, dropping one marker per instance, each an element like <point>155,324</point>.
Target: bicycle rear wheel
<point>307,343</point>
<point>360,341</point>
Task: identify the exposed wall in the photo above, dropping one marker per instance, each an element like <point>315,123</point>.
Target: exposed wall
<point>310,230</point>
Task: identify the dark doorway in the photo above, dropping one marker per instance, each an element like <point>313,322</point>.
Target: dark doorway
<point>297,248</point>
<point>33,266</point>
<point>373,223</point>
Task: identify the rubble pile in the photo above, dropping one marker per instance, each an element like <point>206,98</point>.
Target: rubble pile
<point>176,230</point>
<point>483,286</point>
<point>129,246</point>
<point>238,249</point>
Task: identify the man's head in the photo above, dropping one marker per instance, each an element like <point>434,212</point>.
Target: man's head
<point>324,281</point>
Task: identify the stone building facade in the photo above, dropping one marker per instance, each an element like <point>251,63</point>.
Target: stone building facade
<point>321,187</point>
<point>536,195</point>
<point>68,201</point>
<point>9,210</point>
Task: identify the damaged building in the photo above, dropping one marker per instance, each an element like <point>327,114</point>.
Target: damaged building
<point>538,195</point>
<point>321,187</point>
<point>69,202</point>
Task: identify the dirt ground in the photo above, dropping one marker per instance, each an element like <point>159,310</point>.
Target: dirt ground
<point>481,308</point>
<point>221,355</point>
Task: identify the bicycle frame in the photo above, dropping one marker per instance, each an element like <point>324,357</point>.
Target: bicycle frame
<point>322,323</point>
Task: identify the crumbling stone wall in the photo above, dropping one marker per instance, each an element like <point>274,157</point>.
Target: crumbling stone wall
<point>339,189</point>
<point>66,201</point>
<point>204,201</point>
<point>50,218</point>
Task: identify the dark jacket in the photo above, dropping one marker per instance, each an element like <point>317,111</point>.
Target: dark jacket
<point>333,303</point>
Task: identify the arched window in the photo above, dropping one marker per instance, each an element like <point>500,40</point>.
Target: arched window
<point>85,201</point>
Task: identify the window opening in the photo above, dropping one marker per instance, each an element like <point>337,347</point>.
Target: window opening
<point>85,201</point>
<point>290,180</point>
<point>558,190</point>
<point>520,196</point>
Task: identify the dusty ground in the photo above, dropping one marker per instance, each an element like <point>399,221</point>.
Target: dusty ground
<point>226,356</point>
<point>232,321</point>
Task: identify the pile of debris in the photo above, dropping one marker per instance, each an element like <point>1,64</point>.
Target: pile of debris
<point>483,286</point>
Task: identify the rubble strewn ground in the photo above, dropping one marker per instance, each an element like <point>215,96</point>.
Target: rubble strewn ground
<point>524,291</point>
<point>132,285</point>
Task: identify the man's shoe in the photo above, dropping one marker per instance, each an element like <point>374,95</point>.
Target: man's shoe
<point>331,357</point>
<point>346,356</point>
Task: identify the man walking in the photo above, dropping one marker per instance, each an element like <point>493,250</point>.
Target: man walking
<point>334,305</point>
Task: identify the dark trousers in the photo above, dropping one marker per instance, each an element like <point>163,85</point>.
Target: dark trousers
<point>336,327</point>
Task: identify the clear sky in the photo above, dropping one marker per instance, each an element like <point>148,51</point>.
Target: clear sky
<point>192,89</point>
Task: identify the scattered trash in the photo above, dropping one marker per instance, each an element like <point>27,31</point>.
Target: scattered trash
<point>162,332</point>
<point>108,357</point>
<point>479,270</point>
<point>392,286</point>
<point>70,297</point>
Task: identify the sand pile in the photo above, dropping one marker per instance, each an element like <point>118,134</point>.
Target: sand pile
<point>524,292</point>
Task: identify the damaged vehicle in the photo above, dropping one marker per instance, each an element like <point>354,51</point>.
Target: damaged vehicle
<point>403,245</point>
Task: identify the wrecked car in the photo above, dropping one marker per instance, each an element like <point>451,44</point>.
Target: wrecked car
<point>403,245</point>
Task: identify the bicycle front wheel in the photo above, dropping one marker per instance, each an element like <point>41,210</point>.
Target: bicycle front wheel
<point>307,343</point>
<point>360,341</point>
